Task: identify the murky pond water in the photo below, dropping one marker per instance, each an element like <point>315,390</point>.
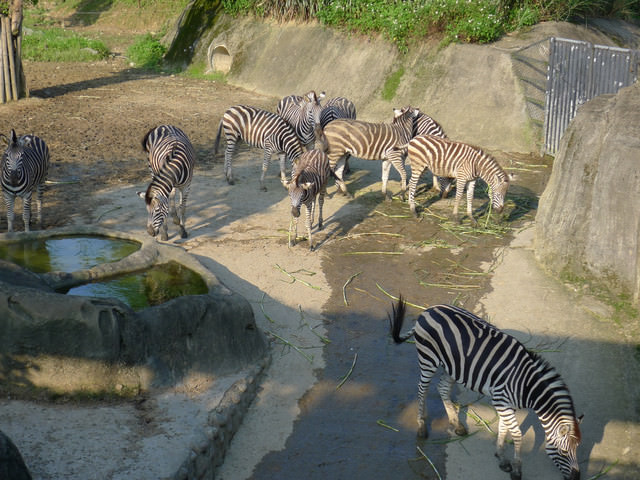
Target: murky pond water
<point>67,254</point>
<point>367,427</point>
<point>153,286</point>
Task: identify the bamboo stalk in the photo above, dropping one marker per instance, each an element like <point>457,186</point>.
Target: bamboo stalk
<point>12,61</point>
<point>3,96</point>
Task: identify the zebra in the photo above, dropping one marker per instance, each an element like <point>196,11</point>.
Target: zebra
<point>303,114</point>
<point>171,161</point>
<point>308,188</point>
<point>463,162</point>
<point>25,164</point>
<point>261,129</point>
<point>333,109</point>
<point>486,360</point>
<point>370,141</point>
<point>423,124</point>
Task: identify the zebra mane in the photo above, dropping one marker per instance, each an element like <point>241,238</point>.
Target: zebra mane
<point>144,139</point>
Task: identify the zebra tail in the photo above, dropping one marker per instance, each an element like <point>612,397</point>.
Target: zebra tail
<point>397,319</point>
<point>215,149</point>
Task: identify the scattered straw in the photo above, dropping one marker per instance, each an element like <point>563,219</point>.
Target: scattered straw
<point>419,307</point>
<point>603,471</point>
<point>294,279</point>
<point>344,288</point>
<point>262,308</point>
<point>382,424</point>
<point>430,462</point>
<point>289,344</point>
<point>346,377</point>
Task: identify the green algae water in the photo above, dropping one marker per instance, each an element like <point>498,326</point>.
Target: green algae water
<point>67,254</point>
<point>153,286</point>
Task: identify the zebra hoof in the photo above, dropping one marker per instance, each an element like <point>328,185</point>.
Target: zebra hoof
<point>423,432</point>
<point>461,431</point>
<point>505,465</point>
<point>184,234</point>
<point>516,475</point>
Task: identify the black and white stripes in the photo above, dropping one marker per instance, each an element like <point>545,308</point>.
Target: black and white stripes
<point>308,188</point>
<point>303,114</point>
<point>171,161</point>
<point>370,141</point>
<point>261,129</point>
<point>25,164</point>
<point>486,360</point>
<point>463,162</point>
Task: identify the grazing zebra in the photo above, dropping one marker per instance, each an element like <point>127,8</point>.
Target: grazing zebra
<point>486,360</point>
<point>464,163</point>
<point>370,141</point>
<point>171,161</point>
<point>261,129</point>
<point>25,164</point>
<point>303,114</point>
<point>308,188</point>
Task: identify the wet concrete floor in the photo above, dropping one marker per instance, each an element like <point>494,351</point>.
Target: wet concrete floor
<point>359,420</point>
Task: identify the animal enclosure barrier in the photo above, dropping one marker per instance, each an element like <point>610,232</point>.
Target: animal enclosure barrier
<point>577,72</point>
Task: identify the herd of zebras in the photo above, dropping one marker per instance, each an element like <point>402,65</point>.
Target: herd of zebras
<point>317,141</point>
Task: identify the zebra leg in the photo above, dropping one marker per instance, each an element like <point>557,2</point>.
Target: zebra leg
<point>509,424</point>
<point>386,168</point>
<point>459,192</point>
<point>397,160</point>
<point>320,204</point>
<point>181,217</point>
<point>266,161</point>
<point>26,211</point>
<point>9,201</point>
<point>293,224</point>
<point>310,207</point>
<point>228,154</point>
<point>164,231</point>
<point>39,193</point>
<point>339,170</point>
<point>444,389</point>
<point>470,188</point>
<point>426,374</point>
<point>283,170</point>
<point>413,185</point>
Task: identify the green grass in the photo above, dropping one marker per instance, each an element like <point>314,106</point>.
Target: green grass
<point>146,52</point>
<point>391,84</point>
<point>60,45</point>
<point>199,70</point>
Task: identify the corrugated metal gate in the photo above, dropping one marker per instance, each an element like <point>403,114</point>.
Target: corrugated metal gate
<point>579,71</point>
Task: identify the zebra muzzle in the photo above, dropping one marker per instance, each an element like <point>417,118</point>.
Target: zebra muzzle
<point>151,231</point>
<point>295,211</point>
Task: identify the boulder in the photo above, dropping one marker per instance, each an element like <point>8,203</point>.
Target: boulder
<point>588,222</point>
<point>11,463</point>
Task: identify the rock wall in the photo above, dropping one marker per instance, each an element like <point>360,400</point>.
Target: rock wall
<point>471,90</point>
<point>588,221</point>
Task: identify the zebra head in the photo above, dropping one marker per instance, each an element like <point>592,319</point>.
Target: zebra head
<point>13,171</point>
<point>499,187</point>
<point>299,192</point>
<point>562,445</point>
<point>404,118</point>
<point>157,209</point>
<point>310,103</point>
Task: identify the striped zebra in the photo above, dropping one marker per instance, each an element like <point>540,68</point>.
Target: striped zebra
<point>333,109</point>
<point>486,360</point>
<point>171,161</point>
<point>25,164</point>
<point>370,141</point>
<point>261,129</point>
<point>308,188</point>
<point>425,125</point>
<point>302,113</point>
<point>463,162</point>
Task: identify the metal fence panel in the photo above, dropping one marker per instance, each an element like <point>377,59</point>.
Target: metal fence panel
<point>577,72</point>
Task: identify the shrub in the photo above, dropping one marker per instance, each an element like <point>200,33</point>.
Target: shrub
<point>146,52</point>
<point>60,45</point>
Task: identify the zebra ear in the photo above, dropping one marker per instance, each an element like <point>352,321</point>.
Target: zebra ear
<point>141,194</point>
<point>306,185</point>
<point>14,137</point>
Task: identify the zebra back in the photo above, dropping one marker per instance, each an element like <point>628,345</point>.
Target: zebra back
<point>335,108</point>
<point>302,113</point>
<point>260,128</point>
<point>171,155</point>
<point>425,125</point>
<point>369,141</point>
<point>25,164</point>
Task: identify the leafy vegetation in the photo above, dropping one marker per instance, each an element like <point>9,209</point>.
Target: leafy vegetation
<point>146,52</point>
<point>477,21</point>
<point>60,45</point>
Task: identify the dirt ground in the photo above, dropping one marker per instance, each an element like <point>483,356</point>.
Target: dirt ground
<point>326,311</point>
